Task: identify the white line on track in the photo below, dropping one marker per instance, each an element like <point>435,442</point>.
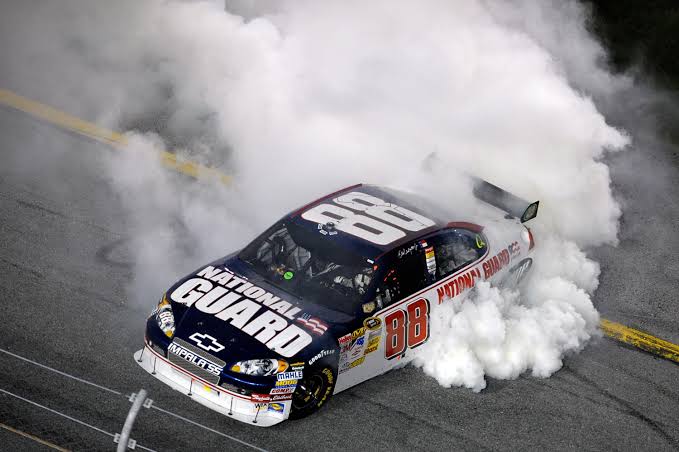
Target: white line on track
<point>67,416</point>
<point>113,391</point>
<point>60,372</point>
<point>208,428</point>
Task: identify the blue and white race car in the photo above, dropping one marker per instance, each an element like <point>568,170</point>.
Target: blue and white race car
<point>331,295</point>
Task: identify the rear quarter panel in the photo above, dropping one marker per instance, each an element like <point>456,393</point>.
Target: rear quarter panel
<point>375,347</point>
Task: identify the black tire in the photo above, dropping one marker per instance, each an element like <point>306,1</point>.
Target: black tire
<point>313,391</point>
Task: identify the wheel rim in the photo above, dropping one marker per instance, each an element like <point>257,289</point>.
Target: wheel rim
<point>308,391</point>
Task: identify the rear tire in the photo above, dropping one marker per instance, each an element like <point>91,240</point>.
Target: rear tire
<point>313,391</point>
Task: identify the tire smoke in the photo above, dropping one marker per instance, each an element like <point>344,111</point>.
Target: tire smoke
<point>304,97</point>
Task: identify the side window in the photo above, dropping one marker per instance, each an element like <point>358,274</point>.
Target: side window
<point>457,248</point>
<point>407,274</point>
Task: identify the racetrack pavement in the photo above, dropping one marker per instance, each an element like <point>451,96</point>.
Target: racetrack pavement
<point>63,274</point>
<point>63,120</point>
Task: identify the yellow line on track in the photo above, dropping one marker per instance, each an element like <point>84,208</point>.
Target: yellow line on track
<point>616,331</point>
<point>34,438</point>
<point>115,139</point>
<point>639,339</point>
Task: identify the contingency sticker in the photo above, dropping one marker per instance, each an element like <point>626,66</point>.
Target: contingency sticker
<point>352,351</point>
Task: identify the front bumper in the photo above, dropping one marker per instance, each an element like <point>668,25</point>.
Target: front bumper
<point>237,406</point>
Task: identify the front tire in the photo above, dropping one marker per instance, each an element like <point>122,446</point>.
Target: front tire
<point>313,391</point>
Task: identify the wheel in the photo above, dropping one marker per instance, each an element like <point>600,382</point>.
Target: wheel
<point>313,390</point>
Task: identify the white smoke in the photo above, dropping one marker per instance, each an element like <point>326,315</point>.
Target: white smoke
<point>310,96</point>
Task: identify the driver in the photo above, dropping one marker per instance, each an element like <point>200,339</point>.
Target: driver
<point>360,282</point>
<point>455,254</point>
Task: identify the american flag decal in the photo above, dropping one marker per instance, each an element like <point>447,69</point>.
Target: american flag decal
<point>314,325</point>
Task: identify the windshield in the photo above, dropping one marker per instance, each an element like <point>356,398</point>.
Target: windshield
<point>310,266</point>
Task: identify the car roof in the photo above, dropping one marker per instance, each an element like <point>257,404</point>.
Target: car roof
<point>366,248</point>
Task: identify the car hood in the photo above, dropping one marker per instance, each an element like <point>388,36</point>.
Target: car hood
<point>231,312</point>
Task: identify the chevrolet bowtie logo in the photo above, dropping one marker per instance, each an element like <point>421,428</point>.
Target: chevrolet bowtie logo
<point>206,342</point>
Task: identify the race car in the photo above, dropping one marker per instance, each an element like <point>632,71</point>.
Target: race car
<point>335,293</point>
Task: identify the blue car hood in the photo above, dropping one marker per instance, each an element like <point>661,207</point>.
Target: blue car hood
<point>201,303</point>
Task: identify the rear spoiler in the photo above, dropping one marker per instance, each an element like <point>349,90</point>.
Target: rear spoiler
<point>513,205</point>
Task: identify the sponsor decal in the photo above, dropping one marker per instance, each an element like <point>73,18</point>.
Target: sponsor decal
<point>281,397</point>
<point>321,355</point>
<point>251,309</point>
<point>259,406</point>
<point>350,365</point>
<point>495,263</point>
<point>194,359</point>
<point>260,397</point>
<point>295,375</point>
<point>372,323</point>
<point>285,390</point>
<point>276,407</point>
<point>520,270</point>
<point>374,327</point>
<point>514,249</point>
<point>206,342</point>
<point>357,347</point>
<point>358,362</point>
<point>351,351</point>
<point>373,342</point>
<point>286,382</point>
<point>430,260</point>
<point>458,284</point>
<point>344,339</point>
<point>313,324</point>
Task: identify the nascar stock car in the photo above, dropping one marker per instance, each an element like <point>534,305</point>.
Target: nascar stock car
<point>331,295</point>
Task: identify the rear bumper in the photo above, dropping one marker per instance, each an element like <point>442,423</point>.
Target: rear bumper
<point>237,406</point>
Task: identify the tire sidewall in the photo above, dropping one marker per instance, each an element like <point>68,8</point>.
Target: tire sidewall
<point>329,377</point>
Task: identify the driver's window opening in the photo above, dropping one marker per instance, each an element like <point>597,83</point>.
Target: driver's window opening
<point>456,250</point>
<point>410,275</point>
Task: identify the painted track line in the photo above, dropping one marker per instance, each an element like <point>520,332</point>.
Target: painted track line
<point>34,438</point>
<point>66,416</point>
<point>81,380</point>
<point>115,139</point>
<point>240,441</point>
<point>613,330</point>
<point>641,340</point>
<point>154,406</point>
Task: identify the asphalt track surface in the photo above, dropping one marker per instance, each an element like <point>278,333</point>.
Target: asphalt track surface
<point>63,274</point>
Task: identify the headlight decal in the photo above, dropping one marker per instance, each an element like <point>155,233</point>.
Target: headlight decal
<point>165,317</point>
<point>260,367</point>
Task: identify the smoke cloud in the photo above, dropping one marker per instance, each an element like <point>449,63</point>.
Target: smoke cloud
<point>299,98</point>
